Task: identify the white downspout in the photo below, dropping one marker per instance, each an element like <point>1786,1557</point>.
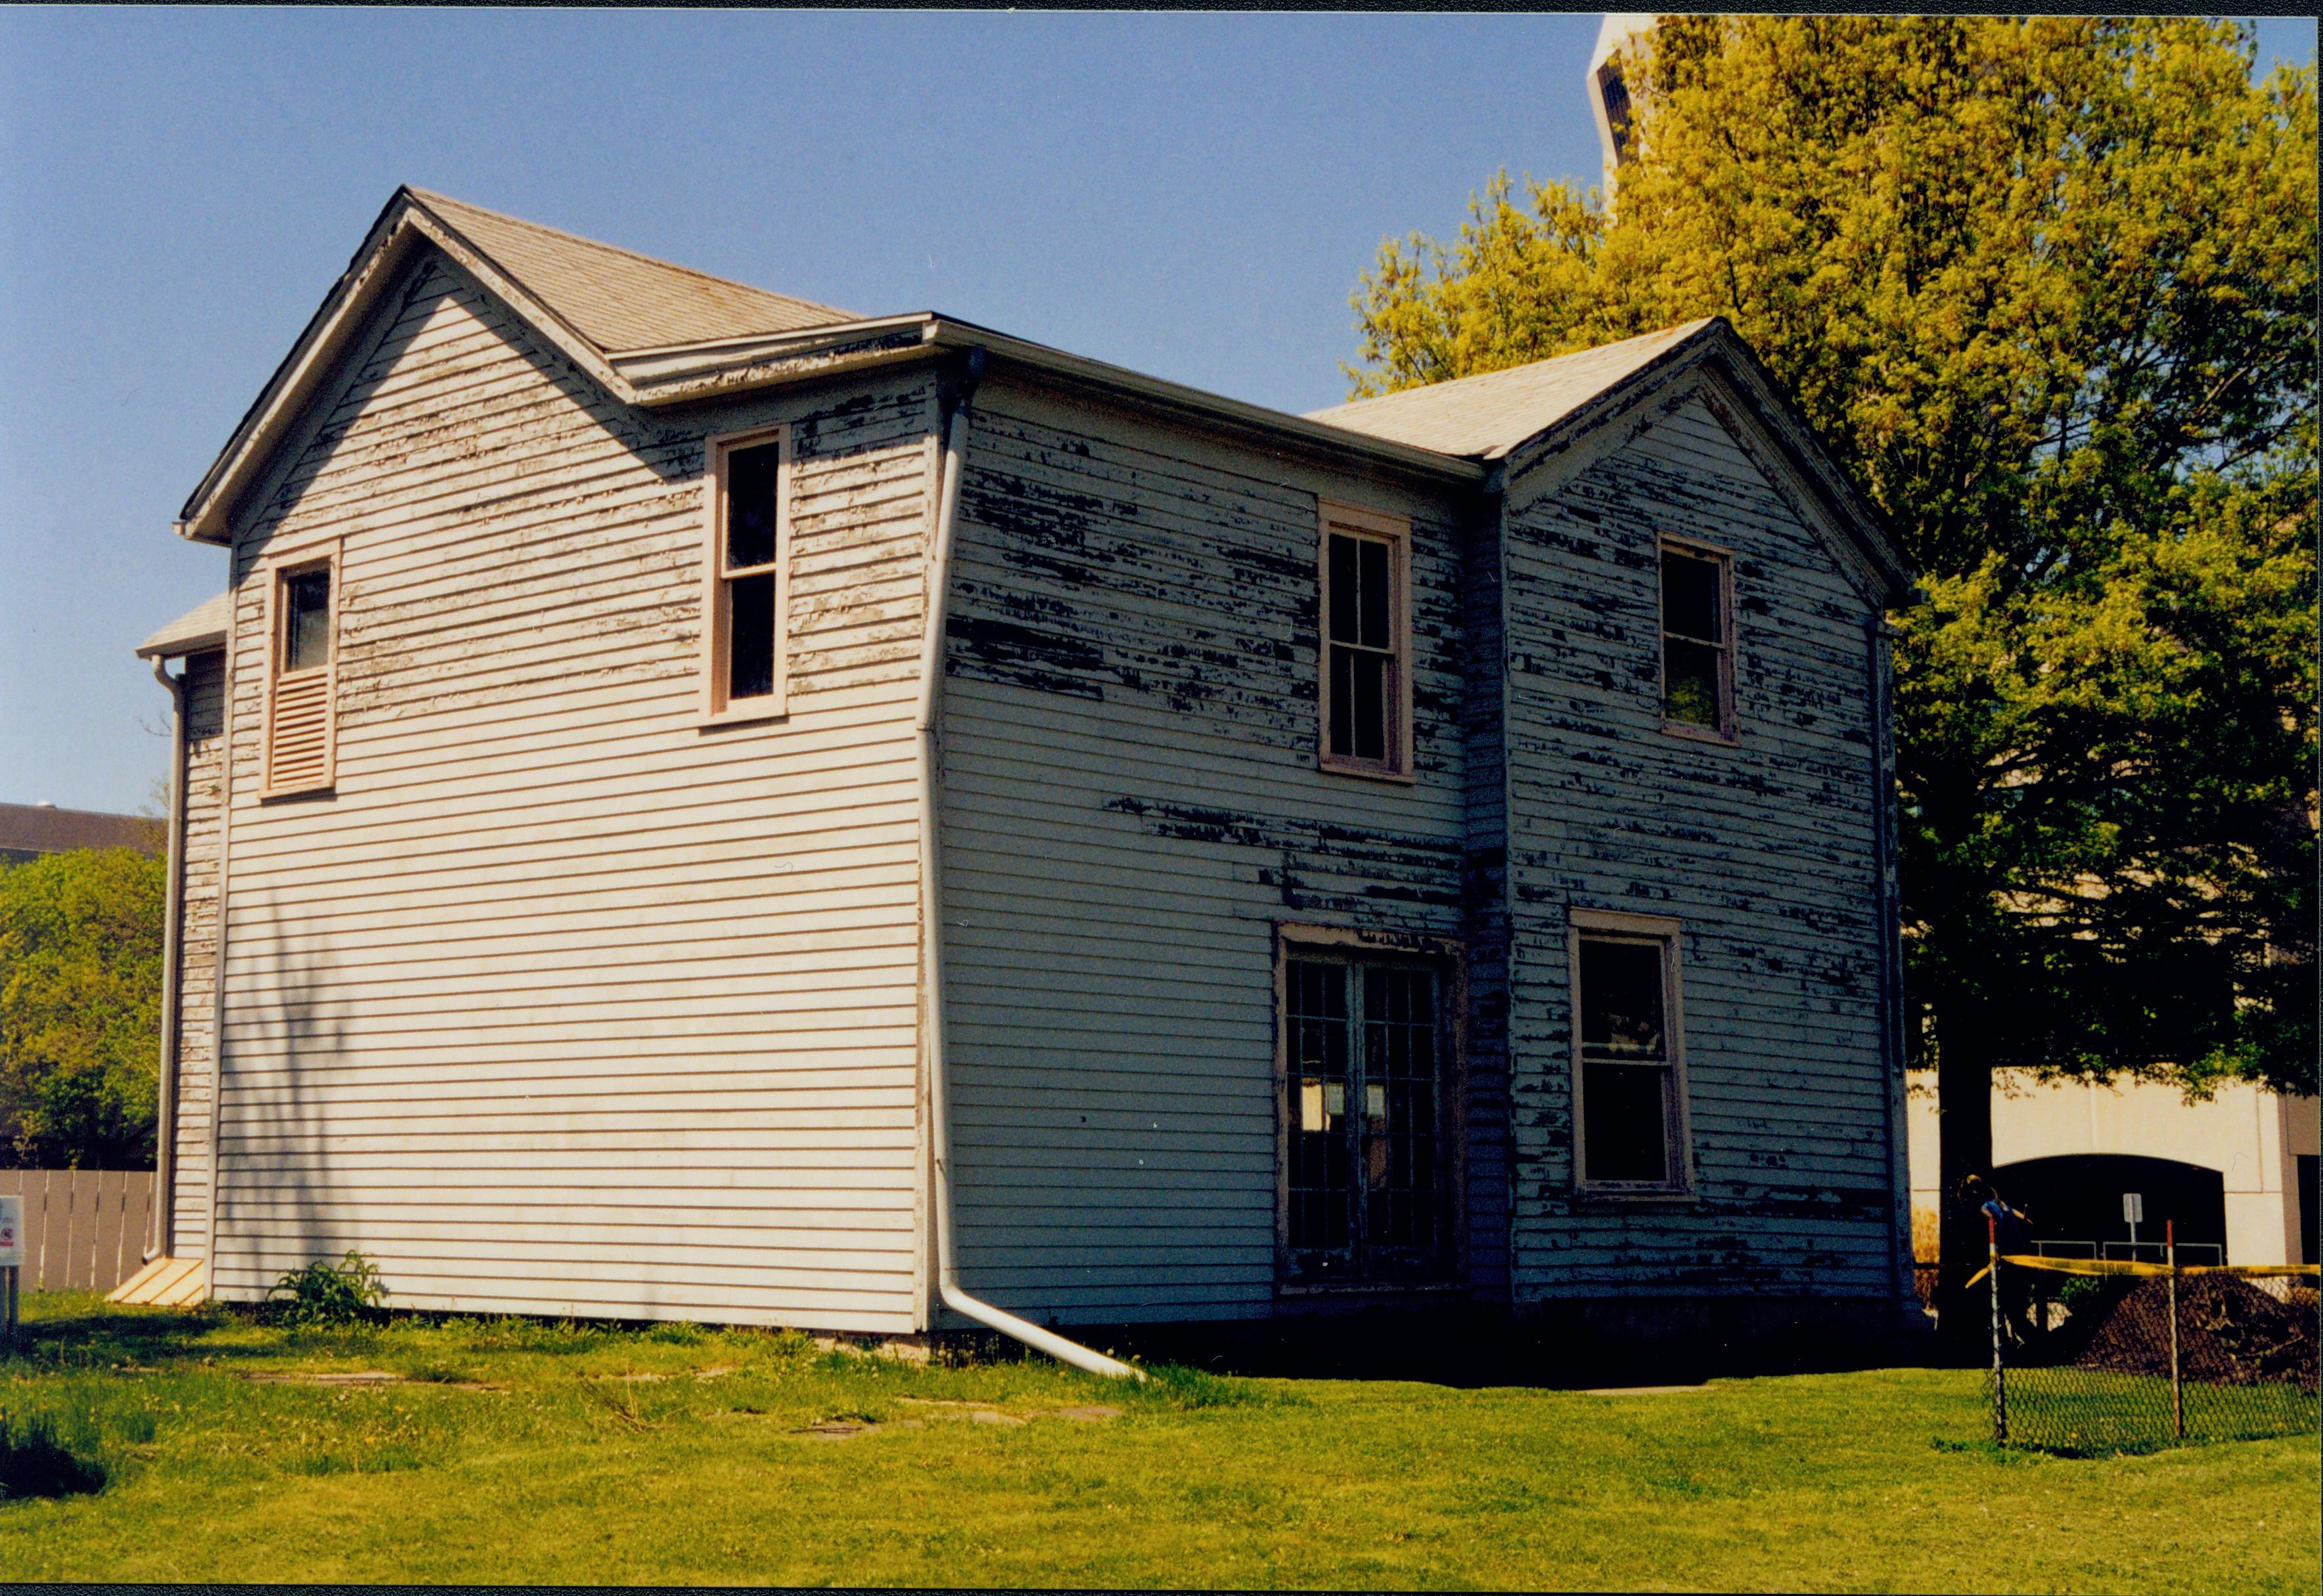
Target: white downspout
<point>165,1129</point>
<point>932,670</point>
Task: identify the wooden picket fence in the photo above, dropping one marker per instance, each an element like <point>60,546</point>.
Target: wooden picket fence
<point>84,1229</point>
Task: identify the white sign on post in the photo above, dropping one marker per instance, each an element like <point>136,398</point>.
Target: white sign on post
<point>11,1232</point>
<point>2133,1208</point>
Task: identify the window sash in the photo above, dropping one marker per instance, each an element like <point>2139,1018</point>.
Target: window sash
<point>1684,651</point>
<point>1629,1121</point>
<point>745,667</point>
<point>1364,636</point>
<point>1367,1152</point>
<point>301,748</point>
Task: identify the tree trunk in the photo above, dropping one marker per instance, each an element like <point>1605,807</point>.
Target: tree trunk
<point>1964,1148</point>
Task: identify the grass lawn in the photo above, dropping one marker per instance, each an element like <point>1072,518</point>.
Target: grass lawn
<point>521,1451</point>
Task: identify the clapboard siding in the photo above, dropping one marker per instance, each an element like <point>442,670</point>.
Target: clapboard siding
<point>1766,852</point>
<point>558,1002</point>
<point>203,708</point>
<point>1130,805</point>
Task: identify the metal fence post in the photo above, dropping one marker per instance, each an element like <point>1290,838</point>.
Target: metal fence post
<point>1999,1370</point>
<point>2177,1383</point>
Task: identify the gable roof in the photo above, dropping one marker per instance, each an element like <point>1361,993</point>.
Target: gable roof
<point>617,300</point>
<point>1487,415</point>
<point>202,628</point>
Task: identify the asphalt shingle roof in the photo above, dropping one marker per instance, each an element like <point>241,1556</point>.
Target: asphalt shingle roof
<point>202,627</point>
<point>620,300</point>
<point>1484,418</point>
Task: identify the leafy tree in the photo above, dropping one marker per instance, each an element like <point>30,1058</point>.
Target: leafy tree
<point>81,1007</point>
<point>2046,287</point>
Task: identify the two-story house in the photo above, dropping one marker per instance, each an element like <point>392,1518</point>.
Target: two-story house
<point>701,805</point>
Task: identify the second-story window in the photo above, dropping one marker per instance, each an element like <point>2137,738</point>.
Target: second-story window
<point>302,684</point>
<point>1365,691</point>
<point>749,535</point>
<point>1697,640</point>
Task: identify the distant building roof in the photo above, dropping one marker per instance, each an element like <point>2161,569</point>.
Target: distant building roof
<point>1486,417</point>
<point>28,830</point>
<point>199,629</point>
<point>620,300</point>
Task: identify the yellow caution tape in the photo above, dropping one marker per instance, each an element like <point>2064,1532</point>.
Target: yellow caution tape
<point>2122,1265</point>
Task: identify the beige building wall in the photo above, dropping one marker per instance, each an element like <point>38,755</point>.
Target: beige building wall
<point>2252,1137</point>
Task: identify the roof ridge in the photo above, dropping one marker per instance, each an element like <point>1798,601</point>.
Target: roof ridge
<point>1674,330</point>
<point>430,197</point>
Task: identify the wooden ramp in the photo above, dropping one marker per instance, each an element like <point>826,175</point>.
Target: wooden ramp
<point>166,1282</point>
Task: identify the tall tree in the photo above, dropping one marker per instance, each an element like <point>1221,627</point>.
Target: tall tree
<point>80,1008</point>
<point>2047,288</point>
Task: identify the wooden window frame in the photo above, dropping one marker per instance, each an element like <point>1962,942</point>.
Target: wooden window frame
<point>327,558</point>
<point>1677,1125</point>
<point>1449,956</point>
<point>1396,532</point>
<point>1727,731</point>
<point>716,709</point>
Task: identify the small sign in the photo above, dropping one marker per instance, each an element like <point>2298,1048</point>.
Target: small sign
<point>11,1232</point>
<point>2133,1208</point>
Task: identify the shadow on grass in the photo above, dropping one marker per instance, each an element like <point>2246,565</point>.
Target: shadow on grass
<point>34,1461</point>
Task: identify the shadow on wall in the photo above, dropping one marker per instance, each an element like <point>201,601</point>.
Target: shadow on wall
<point>275,1145</point>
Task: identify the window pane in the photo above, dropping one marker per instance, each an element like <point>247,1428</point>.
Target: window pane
<point>1400,1091</point>
<point>752,498</point>
<point>1373,594</point>
<point>1321,1131</point>
<point>1622,998</point>
<point>750,636</point>
<point>1370,706</point>
<point>306,620</point>
<point>1622,1109</point>
<point>1690,596</point>
<point>1690,683</point>
<point>1344,593</point>
<point>1343,701</point>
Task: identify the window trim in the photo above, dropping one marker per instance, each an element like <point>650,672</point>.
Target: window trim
<point>1396,532</point>
<point>325,556</point>
<point>1727,733</point>
<point>1294,941</point>
<point>714,708</point>
<point>1679,1126</point>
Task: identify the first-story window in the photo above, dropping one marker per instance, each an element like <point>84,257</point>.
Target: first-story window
<point>1365,691</point>
<point>301,688</point>
<point>1697,640</point>
<point>1629,1092</point>
<point>747,592</point>
<point>1367,1164</point>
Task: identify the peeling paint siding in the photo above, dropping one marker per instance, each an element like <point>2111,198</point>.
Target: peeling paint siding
<point>1766,852</point>
<point>204,713</point>
<point>559,1003</point>
<point>1483,716</point>
<point>1130,803</point>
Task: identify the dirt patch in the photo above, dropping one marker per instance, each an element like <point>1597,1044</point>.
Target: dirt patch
<point>2229,1333</point>
<point>358,1377</point>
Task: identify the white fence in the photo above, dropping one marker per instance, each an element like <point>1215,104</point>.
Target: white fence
<point>84,1229</point>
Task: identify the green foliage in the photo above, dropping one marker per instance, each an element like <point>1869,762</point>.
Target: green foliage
<point>323,1294</point>
<point>35,1461</point>
<point>2046,289</point>
<point>81,1007</point>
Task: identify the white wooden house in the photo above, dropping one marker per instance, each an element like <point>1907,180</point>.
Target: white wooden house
<point>605,892</point>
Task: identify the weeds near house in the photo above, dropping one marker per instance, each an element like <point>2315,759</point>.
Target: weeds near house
<point>324,1294</point>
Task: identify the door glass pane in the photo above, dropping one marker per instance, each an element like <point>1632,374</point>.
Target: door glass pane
<point>1317,1144</point>
<point>1401,1101</point>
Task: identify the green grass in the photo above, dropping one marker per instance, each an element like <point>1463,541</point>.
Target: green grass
<point>518,1452</point>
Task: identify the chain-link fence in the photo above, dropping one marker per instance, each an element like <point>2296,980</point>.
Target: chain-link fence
<point>2103,1355</point>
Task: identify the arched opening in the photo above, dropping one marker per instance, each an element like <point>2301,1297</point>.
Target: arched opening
<point>2078,1197</point>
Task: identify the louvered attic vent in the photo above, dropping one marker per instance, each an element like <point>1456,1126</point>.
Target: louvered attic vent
<point>301,696</point>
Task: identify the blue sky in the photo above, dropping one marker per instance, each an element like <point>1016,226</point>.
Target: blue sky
<point>1193,196</point>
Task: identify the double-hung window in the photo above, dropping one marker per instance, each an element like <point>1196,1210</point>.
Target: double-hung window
<point>1365,691</point>
<point>1628,1068</point>
<point>302,686</point>
<point>746,591</point>
<point>1697,640</point>
<point>1367,1145</point>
